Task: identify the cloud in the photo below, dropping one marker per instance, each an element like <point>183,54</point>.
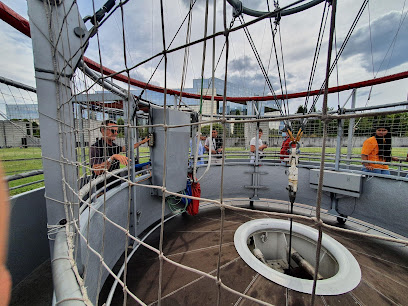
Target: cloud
<point>198,3</point>
<point>242,63</point>
<point>16,56</point>
<point>299,36</point>
<point>389,46</point>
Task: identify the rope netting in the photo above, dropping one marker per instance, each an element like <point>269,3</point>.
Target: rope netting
<point>100,106</point>
<point>20,136</point>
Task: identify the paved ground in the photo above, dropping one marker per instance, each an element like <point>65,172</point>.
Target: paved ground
<point>36,289</point>
<point>194,241</point>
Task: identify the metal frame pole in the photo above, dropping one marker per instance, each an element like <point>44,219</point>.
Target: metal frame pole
<point>57,51</point>
<point>351,128</point>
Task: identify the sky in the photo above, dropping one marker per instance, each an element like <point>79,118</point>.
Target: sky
<point>376,48</point>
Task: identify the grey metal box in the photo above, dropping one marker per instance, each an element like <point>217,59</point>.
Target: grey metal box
<point>178,142</point>
<point>350,184</point>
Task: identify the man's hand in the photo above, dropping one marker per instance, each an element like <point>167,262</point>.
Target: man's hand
<point>366,165</point>
<point>121,158</point>
<point>137,144</point>
<point>395,158</point>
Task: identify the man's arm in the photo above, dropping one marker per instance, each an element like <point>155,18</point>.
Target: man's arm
<point>137,144</point>
<point>252,147</point>
<point>100,164</point>
<point>260,148</point>
<point>220,146</point>
<point>366,165</point>
<point>102,167</point>
<point>207,146</point>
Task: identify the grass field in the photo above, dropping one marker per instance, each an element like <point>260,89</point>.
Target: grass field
<point>19,160</point>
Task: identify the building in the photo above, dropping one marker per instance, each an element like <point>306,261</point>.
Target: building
<point>22,111</point>
<point>18,133</point>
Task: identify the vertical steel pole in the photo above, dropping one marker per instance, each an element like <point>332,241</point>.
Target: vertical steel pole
<point>321,173</point>
<point>57,50</point>
<point>351,128</point>
<point>340,124</point>
<point>82,140</point>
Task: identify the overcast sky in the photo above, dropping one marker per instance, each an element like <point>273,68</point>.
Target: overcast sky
<point>378,46</point>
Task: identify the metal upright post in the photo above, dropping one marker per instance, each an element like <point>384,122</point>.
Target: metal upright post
<point>351,128</point>
<point>255,179</point>
<point>82,141</point>
<point>58,35</point>
<point>5,134</point>
<point>130,138</point>
<point>338,147</point>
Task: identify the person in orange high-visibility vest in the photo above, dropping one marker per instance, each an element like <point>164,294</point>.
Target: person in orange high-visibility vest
<point>377,148</point>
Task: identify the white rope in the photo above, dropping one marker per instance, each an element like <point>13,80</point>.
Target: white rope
<point>222,203</point>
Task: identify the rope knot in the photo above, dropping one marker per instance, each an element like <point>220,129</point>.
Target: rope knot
<point>317,222</point>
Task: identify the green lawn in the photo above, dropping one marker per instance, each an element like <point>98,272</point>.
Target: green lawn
<point>19,160</point>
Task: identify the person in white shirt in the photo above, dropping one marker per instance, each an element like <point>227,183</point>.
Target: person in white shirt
<point>253,144</point>
<point>215,147</point>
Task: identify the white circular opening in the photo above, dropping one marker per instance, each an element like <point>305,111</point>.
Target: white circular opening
<point>268,239</point>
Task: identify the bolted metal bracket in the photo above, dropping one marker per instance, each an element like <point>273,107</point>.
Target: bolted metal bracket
<point>237,9</point>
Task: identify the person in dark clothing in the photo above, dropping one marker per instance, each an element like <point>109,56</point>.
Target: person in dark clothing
<point>215,145</point>
<point>377,148</point>
<point>105,153</point>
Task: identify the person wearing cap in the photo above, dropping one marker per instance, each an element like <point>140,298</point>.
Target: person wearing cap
<point>253,143</point>
<point>377,148</point>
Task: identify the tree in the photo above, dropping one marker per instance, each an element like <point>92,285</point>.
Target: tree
<point>36,129</point>
<point>300,110</point>
<point>143,132</point>
<point>238,127</point>
<point>205,130</point>
<point>121,128</point>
